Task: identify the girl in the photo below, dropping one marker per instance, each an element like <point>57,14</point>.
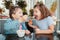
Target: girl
<point>26,19</point>
<point>13,24</point>
<point>43,23</point>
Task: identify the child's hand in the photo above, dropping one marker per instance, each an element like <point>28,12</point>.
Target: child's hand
<point>30,22</point>
<point>27,32</point>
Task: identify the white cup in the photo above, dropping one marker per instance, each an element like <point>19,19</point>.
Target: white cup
<point>20,33</point>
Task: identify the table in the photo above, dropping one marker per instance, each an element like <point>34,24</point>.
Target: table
<point>44,37</point>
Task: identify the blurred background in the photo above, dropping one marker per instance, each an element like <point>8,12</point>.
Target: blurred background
<point>27,5</point>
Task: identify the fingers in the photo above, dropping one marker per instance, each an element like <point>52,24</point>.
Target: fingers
<point>27,32</point>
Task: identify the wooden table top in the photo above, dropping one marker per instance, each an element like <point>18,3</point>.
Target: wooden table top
<point>44,36</point>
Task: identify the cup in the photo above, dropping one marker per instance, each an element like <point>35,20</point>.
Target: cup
<point>20,33</point>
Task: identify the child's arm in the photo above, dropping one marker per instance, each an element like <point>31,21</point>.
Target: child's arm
<point>49,31</point>
<point>35,27</point>
<point>50,24</point>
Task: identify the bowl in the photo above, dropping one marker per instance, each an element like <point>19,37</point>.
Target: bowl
<point>21,33</point>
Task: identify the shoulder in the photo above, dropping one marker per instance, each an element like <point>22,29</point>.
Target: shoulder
<point>8,20</point>
<point>49,18</point>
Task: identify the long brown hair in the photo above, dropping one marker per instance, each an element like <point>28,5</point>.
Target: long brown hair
<point>43,9</point>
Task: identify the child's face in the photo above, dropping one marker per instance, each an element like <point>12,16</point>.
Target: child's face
<point>25,17</point>
<point>37,13</point>
<point>18,13</point>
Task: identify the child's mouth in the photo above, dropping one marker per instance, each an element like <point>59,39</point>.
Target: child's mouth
<point>36,16</point>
